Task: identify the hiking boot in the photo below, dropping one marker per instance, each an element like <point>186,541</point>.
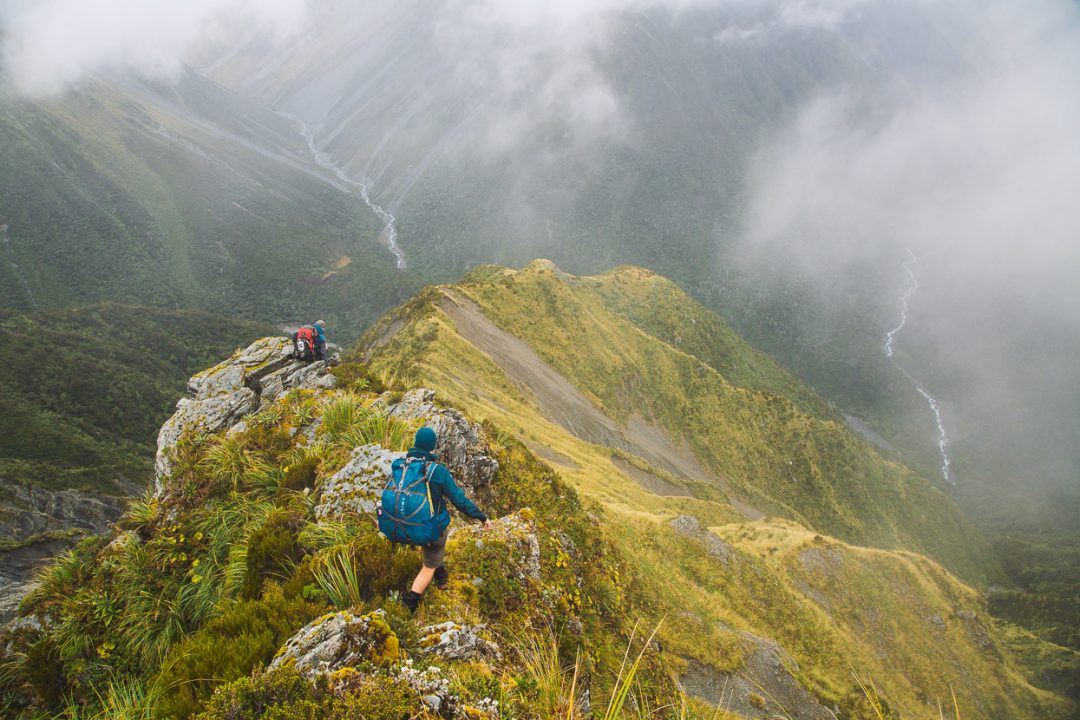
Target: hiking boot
<point>442,576</point>
<point>411,600</point>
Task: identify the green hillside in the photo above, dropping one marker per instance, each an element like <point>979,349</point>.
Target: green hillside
<point>182,197</point>
<point>207,583</point>
<point>84,391</point>
<point>735,411</point>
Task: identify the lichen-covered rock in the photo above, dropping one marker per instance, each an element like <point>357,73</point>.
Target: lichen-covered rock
<point>431,685</point>
<point>461,446</point>
<point>222,396</point>
<point>453,641</point>
<point>355,488</point>
<point>517,532</point>
<point>339,640</point>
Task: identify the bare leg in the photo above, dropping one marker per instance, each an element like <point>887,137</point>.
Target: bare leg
<point>423,579</point>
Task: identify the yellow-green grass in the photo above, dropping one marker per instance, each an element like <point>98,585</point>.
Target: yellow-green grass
<point>784,460</point>
<point>765,590</point>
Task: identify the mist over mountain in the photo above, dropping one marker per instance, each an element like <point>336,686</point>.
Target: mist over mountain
<point>879,194</point>
<point>778,158</point>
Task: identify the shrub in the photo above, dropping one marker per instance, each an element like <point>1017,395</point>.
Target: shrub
<point>255,630</point>
<point>301,474</point>
<point>272,550</point>
<point>278,695</point>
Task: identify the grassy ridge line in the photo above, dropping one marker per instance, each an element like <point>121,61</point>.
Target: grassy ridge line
<point>659,307</point>
<point>427,349</point>
<point>715,600</point>
<point>760,441</point>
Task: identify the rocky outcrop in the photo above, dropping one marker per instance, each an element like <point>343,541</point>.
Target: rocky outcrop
<point>343,648</point>
<point>36,524</point>
<point>461,446</point>
<point>765,687</point>
<point>226,393</point>
<point>31,510</point>
<point>454,641</point>
<point>516,532</point>
<point>339,640</point>
<point>689,526</point>
<point>355,487</point>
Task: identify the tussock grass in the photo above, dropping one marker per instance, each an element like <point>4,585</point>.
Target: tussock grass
<point>341,414</point>
<point>380,429</point>
<point>336,574</point>
<point>123,699</point>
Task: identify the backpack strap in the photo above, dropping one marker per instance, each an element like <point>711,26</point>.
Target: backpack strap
<point>427,484</point>
<point>427,479</point>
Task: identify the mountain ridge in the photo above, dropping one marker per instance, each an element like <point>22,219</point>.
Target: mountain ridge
<point>635,379</point>
<point>260,531</point>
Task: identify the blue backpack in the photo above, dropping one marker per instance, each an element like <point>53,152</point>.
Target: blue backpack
<point>407,514</point>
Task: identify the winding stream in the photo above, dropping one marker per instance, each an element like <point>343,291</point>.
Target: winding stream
<point>909,289</point>
<point>323,160</point>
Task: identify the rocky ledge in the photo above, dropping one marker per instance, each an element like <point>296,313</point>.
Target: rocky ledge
<point>225,394</point>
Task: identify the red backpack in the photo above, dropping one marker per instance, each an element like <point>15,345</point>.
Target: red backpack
<point>304,343</point>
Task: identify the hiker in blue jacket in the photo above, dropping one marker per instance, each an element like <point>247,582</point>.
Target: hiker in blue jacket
<point>320,340</point>
<point>443,487</point>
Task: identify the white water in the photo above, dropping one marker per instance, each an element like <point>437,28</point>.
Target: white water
<point>909,289</point>
<point>323,159</point>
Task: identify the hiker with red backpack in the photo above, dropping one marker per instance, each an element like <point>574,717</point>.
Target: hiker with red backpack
<point>309,342</point>
<point>413,511</point>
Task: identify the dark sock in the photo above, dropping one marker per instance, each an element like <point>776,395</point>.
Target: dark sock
<point>442,576</point>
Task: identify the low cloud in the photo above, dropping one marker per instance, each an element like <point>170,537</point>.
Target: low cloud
<point>977,173</point>
<point>975,169</point>
<point>53,44</point>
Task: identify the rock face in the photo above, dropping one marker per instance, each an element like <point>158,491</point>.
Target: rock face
<point>28,517</point>
<point>690,526</point>
<point>517,532</point>
<point>452,641</point>
<point>339,640</point>
<point>355,487</point>
<point>766,685</point>
<point>460,448</point>
<point>226,393</point>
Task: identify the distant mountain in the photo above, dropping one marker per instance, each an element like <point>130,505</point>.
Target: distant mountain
<point>182,196</point>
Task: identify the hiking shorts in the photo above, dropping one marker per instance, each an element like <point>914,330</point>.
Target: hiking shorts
<point>436,551</point>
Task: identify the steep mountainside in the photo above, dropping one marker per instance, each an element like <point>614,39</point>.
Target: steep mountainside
<point>252,583</point>
<point>81,396</point>
<point>560,351</point>
<point>181,196</point>
<point>687,437</point>
<point>497,132</point>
